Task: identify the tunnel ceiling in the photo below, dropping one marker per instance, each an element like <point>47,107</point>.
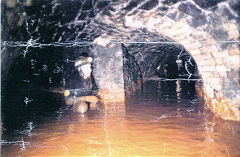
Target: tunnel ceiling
<point>63,21</point>
<point>30,26</point>
<point>150,55</point>
<point>74,25</point>
<point>77,23</point>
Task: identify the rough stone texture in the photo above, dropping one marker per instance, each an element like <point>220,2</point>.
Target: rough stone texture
<point>108,73</point>
<point>208,30</point>
<point>206,34</point>
<point>12,19</point>
<point>6,60</point>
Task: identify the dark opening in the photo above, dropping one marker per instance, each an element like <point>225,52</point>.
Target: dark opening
<point>35,84</point>
<point>39,68</point>
<point>162,71</point>
<point>26,90</point>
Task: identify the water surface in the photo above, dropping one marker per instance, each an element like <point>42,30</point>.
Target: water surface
<point>148,127</point>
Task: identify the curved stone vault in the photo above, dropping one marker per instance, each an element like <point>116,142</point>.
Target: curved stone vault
<point>208,30</point>
<point>212,42</point>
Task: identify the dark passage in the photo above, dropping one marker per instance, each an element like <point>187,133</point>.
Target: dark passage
<point>164,115</point>
<point>166,72</point>
<point>27,89</point>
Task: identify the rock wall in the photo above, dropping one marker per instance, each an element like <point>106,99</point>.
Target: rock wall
<point>10,19</point>
<point>207,29</point>
<point>108,73</point>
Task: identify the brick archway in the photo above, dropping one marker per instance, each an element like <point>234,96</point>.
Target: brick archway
<point>217,61</point>
<point>190,23</point>
<point>216,64</point>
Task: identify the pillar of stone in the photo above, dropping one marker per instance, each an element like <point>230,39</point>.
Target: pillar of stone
<point>108,74</point>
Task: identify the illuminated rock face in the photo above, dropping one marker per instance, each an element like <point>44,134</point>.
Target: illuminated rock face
<point>108,74</point>
<point>207,29</point>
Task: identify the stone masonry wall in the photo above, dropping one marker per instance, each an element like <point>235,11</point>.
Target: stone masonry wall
<point>210,35</point>
<point>208,30</point>
<point>108,73</point>
<point>217,66</point>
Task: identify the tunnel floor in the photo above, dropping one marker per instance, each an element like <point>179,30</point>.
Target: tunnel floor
<point>147,127</point>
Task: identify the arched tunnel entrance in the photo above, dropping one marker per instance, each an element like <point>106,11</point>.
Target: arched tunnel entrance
<point>161,102</point>
<point>118,78</point>
<point>159,72</point>
<point>162,71</point>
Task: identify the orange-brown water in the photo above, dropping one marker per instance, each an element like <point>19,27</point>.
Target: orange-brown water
<point>148,128</point>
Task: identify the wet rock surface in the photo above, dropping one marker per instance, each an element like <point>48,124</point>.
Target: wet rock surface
<point>38,33</point>
<point>75,20</point>
<point>40,37</point>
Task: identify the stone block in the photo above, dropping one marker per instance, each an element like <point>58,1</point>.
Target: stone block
<point>223,108</point>
<point>216,86</point>
<point>213,80</point>
<point>168,23</point>
<point>233,61</point>
<point>101,41</point>
<point>207,75</point>
<point>151,23</point>
<point>233,50</point>
<point>180,25</point>
<point>219,61</point>
<point>107,67</point>
<point>181,37</point>
<point>208,48</point>
<point>209,62</point>
<point>206,68</point>
<point>201,57</point>
<point>183,31</point>
<point>187,42</point>
<point>221,68</point>
<point>193,46</point>
<point>232,30</point>
<point>208,90</point>
<point>112,95</point>
<point>195,52</point>
<point>220,54</point>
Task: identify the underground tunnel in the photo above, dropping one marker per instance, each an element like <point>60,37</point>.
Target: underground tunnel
<point>164,67</point>
<point>110,78</point>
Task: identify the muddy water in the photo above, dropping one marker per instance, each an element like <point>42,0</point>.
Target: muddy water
<point>148,127</point>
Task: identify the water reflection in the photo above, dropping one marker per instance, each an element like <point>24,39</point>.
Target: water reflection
<point>146,128</point>
<point>152,124</point>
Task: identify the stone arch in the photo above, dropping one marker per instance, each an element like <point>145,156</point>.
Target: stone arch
<point>218,65</point>
<point>144,62</point>
<point>215,63</point>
